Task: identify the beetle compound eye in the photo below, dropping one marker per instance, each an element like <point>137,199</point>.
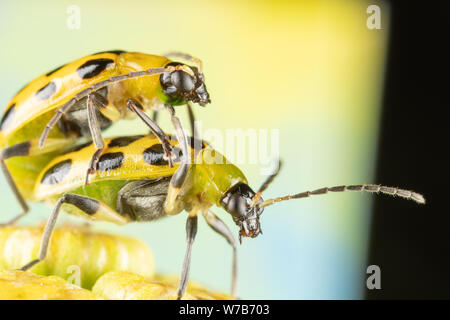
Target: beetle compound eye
<point>182,81</point>
<point>165,79</point>
<point>237,206</point>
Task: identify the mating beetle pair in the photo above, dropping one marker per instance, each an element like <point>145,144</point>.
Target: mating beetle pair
<point>144,178</point>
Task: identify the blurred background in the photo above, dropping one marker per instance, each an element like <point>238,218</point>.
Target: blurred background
<point>312,70</point>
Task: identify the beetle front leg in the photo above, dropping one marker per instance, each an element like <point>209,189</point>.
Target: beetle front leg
<point>221,228</point>
<point>137,108</point>
<point>191,116</point>
<point>87,205</point>
<point>93,101</point>
<point>191,232</point>
<point>172,205</point>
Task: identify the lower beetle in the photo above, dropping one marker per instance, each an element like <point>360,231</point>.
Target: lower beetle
<point>134,182</point>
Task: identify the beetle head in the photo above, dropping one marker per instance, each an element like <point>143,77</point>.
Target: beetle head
<point>181,85</point>
<point>238,202</point>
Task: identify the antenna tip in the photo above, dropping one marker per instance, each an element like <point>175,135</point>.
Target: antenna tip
<point>418,198</point>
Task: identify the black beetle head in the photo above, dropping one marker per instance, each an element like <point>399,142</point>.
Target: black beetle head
<point>180,85</point>
<point>237,201</point>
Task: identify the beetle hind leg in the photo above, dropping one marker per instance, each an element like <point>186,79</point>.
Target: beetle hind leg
<point>87,205</point>
<point>27,148</point>
<point>9,179</point>
<point>48,231</point>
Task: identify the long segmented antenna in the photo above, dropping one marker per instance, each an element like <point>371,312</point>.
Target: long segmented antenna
<point>97,86</point>
<point>188,57</point>
<point>265,184</point>
<point>409,195</point>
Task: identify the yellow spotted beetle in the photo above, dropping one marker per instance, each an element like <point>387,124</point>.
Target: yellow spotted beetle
<point>85,96</point>
<point>134,182</point>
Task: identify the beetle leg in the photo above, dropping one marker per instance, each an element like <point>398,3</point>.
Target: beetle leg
<point>194,133</point>
<point>55,119</point>
<point>49,227</point>
<point>162,137</point>
<point>191,115</point>
<point>27,148</point>
<point>96,133</point>
<point>20,149</point>
<point>171,205</point>
<point>87,205</point>
<point>154,118</point>
<point>221,228</point>
<point>191,231</point>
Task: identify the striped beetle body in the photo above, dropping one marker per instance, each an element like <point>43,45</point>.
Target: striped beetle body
<point>136,160</point>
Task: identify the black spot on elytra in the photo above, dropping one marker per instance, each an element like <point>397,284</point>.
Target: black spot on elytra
<point>111,51</point>
<point>46,91</point>
<point>56,174</point>
<point>155,155</point>
<point>20,149</point>
<point>110,161</point>
<point>8,117</point>
<point>123,141</point>
<point>54,70</point>
<point>93,67</point>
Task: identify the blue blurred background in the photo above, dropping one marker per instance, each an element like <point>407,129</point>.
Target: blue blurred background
<point>311,69</point>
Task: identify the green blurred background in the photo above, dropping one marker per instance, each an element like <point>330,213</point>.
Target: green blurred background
<point>311,69</point>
